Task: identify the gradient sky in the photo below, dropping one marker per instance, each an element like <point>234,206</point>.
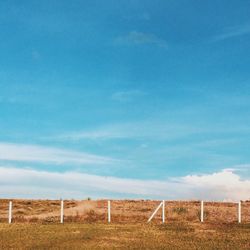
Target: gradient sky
<point>142,92</point>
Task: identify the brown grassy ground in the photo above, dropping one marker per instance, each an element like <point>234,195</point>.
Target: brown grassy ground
<point>36,225</point>
<point>174,235</point>
<point>122,211</point>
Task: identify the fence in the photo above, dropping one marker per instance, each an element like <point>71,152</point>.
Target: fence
<point>124,211</point>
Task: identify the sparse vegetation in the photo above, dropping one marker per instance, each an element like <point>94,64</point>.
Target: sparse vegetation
<point>122,211</point>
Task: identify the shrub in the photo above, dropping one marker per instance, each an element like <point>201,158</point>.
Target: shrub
<point>180,210</point>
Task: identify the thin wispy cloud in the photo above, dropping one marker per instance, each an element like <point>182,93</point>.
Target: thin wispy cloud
<point>231,32</point>
<point>155,129</point>
<point>42,154</point>
<point>223,185</point>
<point>133,130</point>
<point>127,96</point>
<point>140,38</point>
<point>35,54</point>
<point>144,16</point>
<point>10,100</point>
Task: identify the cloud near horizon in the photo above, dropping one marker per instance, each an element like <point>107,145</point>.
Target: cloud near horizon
<point>225,185</point>
<point>42,154</point>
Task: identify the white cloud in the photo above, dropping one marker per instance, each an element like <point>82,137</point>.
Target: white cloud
<point>138,38</point>
<point>231,32</point>
<point>224,185</point>
<point>33,153</point>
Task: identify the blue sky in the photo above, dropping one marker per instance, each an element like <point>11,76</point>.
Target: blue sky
<point>125,92</point>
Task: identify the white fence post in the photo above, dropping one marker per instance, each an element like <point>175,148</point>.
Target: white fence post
<point>202,211</point>
<point>61,211</point>
<point>156,210</point>
<point>109,212</point>
<point>163,211</point>
<point>10,212</point>
<point>239,212</point>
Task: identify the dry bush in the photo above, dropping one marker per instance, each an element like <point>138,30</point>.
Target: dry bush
<point>180,210</point>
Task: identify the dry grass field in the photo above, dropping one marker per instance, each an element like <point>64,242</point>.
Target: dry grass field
<point>36,225</point>
<point>122,211</point>
<point>124,236</point>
